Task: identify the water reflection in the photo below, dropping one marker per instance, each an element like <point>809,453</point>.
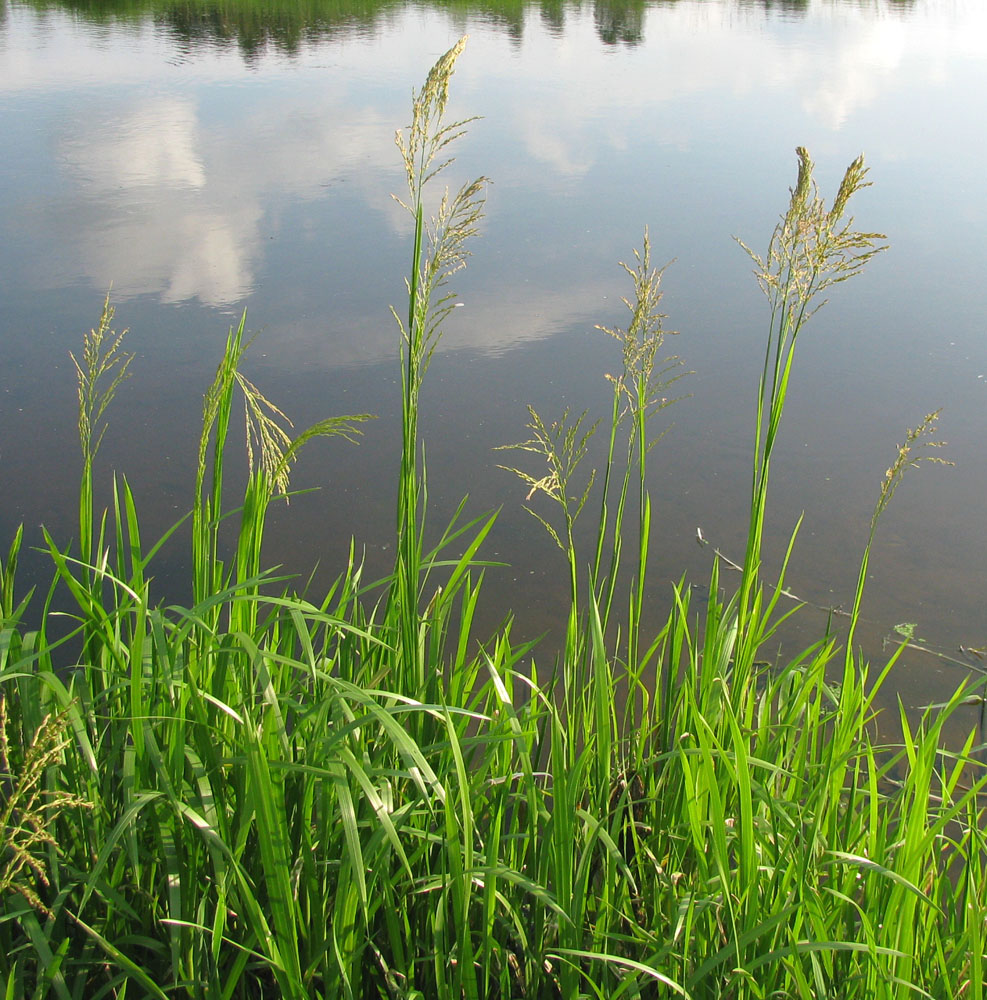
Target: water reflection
<point>203,158</point>
<point>176,194</point>
<point>178,207</point>
<point>288,27</point>
<point>621,21</point>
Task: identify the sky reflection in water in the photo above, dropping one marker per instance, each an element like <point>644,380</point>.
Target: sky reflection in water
<point>198,182</point>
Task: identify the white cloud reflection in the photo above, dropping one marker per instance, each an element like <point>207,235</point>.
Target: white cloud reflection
<point>154,146</point>
<point>179,172</point>
<point>838,60</point>
<point>182,206</point>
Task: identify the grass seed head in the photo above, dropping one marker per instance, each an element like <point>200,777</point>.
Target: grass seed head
<point>29,811</point>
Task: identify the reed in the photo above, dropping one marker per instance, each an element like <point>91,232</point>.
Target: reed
<point>262,795</point>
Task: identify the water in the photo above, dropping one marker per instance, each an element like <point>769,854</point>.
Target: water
<point>202,164</point>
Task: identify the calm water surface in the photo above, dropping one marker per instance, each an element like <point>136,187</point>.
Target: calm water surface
<point>201,166</point>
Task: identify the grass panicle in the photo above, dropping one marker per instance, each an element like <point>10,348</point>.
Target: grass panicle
<point>811,250</point>
<point>104,366</point>
<point>29,810</point>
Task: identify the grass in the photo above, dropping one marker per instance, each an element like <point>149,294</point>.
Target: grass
<point>269,795</point>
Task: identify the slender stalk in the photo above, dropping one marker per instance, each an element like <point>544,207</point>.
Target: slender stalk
<point>439,250</point>
<point>99,374</point>
<point>812,249</point>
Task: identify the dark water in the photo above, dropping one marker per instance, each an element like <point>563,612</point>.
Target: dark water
<point>203,160</point>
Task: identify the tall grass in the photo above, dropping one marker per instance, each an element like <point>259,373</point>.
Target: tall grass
<point>261,795</point>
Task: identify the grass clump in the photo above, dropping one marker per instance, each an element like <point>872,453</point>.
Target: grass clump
<point>264,795</point>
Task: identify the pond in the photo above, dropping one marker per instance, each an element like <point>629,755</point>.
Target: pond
<point>204,158</point>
